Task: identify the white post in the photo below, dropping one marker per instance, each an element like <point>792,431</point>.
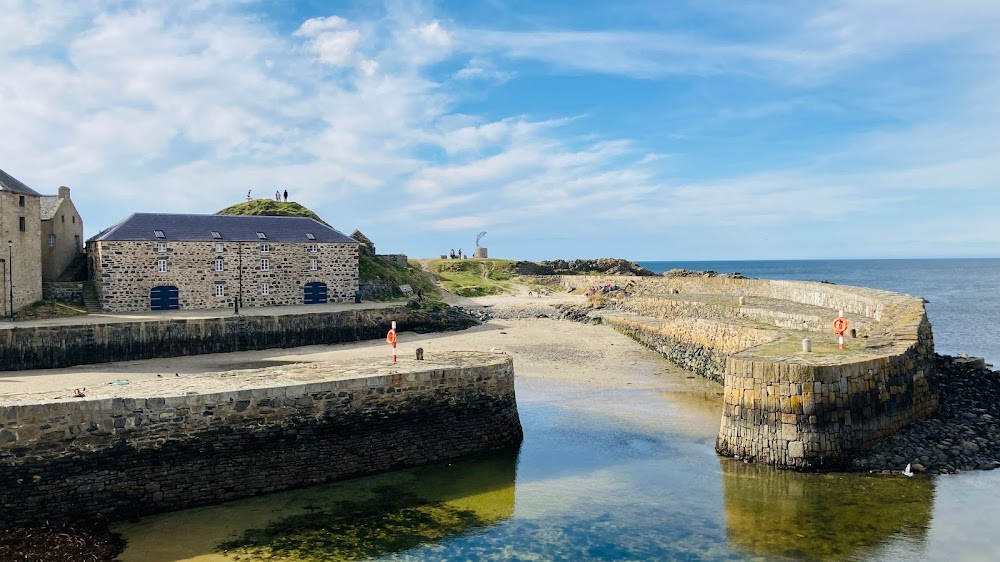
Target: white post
<point>840,336</point>
<point>394,342</point>
<point>807,345</point>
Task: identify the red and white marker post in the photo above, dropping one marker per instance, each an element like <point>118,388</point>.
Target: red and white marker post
<point>840,326</point>
<point>391,338</point>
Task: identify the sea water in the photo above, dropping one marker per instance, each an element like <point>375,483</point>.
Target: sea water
<point>631,475</point>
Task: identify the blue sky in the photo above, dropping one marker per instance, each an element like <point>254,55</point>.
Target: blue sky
<point>678,130</point>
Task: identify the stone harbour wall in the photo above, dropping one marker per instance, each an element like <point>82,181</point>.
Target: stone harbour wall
<point>122,457</point>
<point>50,347</point>
<point>783,407</point>
<point>818,416</point>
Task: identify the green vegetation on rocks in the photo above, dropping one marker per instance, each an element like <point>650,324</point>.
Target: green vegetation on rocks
<point>378,271</point>
<point>391,522</point>
<point>268,207</point>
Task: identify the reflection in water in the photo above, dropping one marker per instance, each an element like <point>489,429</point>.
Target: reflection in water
<point>356,519</point>
<point>821,516</point>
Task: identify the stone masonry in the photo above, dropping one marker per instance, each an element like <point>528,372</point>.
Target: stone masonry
<point>126,271</point>
<point>155,446</point>
<point>784,407</point>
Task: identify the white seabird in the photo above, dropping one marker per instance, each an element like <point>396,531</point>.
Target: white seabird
<point>907,472</point>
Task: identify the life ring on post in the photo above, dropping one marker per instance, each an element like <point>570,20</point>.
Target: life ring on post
<point>840,325</point>
<point>391,337</point>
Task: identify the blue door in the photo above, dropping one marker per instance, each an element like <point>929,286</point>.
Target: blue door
<point>315,293</point>
<point>164,297</point>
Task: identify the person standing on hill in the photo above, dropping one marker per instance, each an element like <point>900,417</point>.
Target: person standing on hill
<point>248,195</point>
<point>286,196</point>
<point>277,196</point>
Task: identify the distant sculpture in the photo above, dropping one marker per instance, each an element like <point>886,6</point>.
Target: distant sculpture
<point>480,237</point>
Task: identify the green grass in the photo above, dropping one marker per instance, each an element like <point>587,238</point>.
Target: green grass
<point>820,348</point>
<point>269,207</point>
<point>474,277</point>
<point>373,269</point>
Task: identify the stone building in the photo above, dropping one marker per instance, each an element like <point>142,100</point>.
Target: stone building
<point>20,245</point>
<point>164,262</point>
<point>61,232</point>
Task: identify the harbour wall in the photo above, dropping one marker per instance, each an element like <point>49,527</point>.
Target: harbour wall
<point>123,457</point>
<point>784,407</point>
<point>50,347</point>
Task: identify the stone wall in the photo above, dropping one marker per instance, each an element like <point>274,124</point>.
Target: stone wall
<point>395,259</point>
<point>71,292</point>
<point>49,347</point>
<point>122,457</point>
<point>783,407</point>
<point>126,271</point>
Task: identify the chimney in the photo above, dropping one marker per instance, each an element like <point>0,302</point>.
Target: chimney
<point>63,192</point>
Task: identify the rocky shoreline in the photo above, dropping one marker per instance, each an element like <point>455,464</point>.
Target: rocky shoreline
<point>964,433</point>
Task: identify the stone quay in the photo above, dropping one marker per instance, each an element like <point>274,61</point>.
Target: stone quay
<point>170,444</point>
<point>783,406</point>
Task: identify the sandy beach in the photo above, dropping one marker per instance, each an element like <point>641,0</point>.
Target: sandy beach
<point>553,350</point>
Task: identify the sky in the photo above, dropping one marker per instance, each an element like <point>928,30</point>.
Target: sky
<point>647,130</point>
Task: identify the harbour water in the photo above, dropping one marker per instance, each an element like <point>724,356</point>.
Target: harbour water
<point>607,474</point>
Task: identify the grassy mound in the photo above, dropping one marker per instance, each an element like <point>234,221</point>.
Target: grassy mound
<point>376,270</point>
<point>475,277</point>
<point>271,208</point>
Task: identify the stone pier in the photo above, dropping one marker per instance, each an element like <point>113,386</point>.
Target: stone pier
<point>784,406</point>
<point>162,445</point>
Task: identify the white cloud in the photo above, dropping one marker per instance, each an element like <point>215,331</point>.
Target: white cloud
<point>434,34</point>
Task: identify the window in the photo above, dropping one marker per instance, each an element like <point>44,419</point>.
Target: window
<point>313,248</point>
<point>265,248</point>
<point>161,247</point>
<point>310,236</point>
<point>263,288</point>
<point>20,224</point>
<point>265,265</point>
<point>74,219</point>
<point>52,240</point>
<point>262,236</point>
<point>161,266</point>
<point>314,264</point>
<point>63,217</point>
<point>219,247</point>
<point>219,266</point>
<point>217,235</point>
<point>158,234</point>
<point>220,290</point>
<point>20,201</point>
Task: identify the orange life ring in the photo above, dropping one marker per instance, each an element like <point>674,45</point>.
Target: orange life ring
<point>840,325</point>
<point>391,338</point>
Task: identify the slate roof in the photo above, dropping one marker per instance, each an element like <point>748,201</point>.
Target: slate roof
<point>10,183</point>
<point>49,205</point>
<point>234,228</point>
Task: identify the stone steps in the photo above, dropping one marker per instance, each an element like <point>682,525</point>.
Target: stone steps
<point>91,299</point>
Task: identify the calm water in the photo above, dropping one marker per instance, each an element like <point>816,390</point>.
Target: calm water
<point>964,294</point>
<point>620,475</point>
<point>638,482</point>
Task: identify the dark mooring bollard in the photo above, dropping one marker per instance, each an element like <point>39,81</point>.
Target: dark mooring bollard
<point>420,354</point>
<point>854,332</point>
